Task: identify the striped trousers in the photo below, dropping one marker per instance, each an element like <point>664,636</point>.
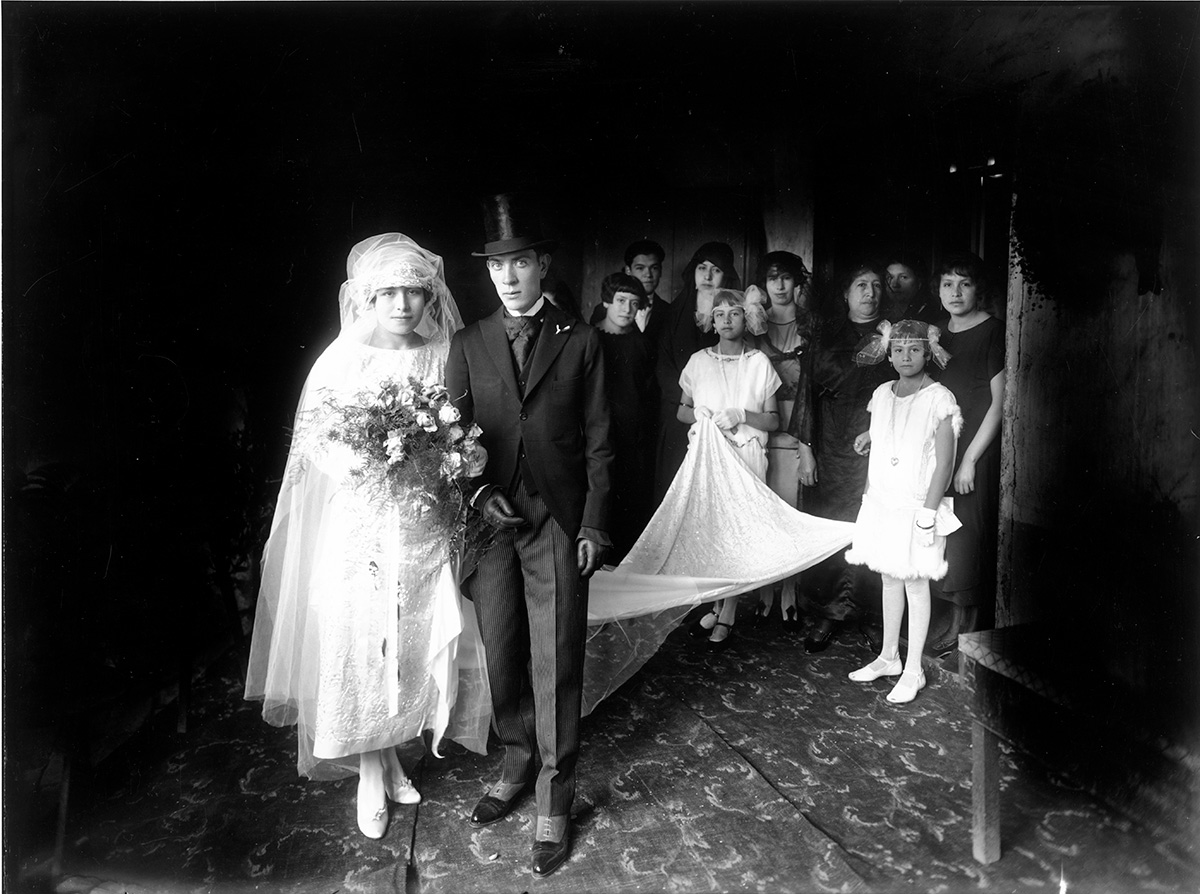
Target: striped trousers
<point>532,612</point>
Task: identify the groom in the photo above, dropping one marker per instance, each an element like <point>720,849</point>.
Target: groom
<point>532,377</point>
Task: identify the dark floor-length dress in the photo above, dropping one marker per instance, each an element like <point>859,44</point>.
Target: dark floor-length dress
<point>834,590</point>
<point>976,356</point>
<point>632,391</point>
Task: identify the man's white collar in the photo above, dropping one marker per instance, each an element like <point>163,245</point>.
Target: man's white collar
<point>533,310</point>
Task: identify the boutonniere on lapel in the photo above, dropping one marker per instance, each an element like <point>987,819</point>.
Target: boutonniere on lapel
<point>559,329</point>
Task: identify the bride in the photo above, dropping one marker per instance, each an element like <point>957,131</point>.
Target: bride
<point>359,638</point>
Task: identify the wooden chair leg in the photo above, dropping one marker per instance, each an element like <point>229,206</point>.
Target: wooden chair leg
<point>60,831</point>
<point>985,794</point>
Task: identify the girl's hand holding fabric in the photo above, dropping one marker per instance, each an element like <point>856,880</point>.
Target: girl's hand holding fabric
<point>729,418</point>
<point>923,522</point>
<point>702,412</point>
<point>964,478</point>
<point>862,444</point>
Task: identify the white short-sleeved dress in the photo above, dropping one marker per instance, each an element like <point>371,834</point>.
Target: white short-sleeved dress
<point>899,472</point>
<point>746,380</point>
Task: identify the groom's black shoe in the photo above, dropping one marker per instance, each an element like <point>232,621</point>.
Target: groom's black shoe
<point>490,810</point>
<point>549,855</point>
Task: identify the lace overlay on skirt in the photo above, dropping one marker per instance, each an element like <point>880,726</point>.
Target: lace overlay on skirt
<point>360,636</point>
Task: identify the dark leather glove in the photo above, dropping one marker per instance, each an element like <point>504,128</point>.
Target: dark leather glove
<point>591,557</point>
<point>498,512</point>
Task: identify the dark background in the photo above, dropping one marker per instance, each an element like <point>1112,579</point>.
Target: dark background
<point>183,181</point>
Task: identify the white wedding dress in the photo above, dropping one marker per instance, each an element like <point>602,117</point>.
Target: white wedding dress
<point>361,637</point>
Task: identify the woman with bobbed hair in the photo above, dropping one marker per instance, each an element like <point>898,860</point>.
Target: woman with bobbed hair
<point>963,599</point>
<point>710,268</point>
<point>785,283</point>
<point>843,390</point>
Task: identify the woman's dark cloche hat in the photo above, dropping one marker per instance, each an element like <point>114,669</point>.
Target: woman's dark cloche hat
<point>510,226</point>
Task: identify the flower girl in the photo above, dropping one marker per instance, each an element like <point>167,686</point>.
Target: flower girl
<point>904,519</point>
<point>734,386</point>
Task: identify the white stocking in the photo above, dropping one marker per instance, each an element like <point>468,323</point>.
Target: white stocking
<point>893,614</point>
<point>918,620</point>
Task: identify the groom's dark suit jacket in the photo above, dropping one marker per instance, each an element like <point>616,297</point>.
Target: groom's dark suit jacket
<point>561,419</point>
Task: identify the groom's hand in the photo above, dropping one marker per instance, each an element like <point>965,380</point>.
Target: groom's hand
<point>498,512</point>
<point>591,556</point>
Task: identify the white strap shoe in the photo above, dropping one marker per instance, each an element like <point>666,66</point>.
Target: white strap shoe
<point>911,682</point>
<point>880,667</point>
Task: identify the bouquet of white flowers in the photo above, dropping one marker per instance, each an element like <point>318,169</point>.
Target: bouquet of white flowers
<point>409,440</point>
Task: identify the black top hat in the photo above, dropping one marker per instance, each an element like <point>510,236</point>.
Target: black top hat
<point>511,226</point>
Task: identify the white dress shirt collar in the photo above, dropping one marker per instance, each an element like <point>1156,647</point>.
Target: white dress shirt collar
<point>533,310</point>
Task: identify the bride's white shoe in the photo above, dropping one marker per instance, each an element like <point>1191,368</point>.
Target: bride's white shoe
<point>402,791</point>
<point>372,808</point>
<point>398,786</point>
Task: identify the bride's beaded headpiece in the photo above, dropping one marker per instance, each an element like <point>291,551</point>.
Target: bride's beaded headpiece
<point>392,260</point>
<point>875,347</point>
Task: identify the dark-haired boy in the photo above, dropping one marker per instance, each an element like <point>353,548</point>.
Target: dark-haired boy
<point>644,262</point>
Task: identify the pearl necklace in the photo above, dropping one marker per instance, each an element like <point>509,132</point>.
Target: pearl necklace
<point>908,412</point>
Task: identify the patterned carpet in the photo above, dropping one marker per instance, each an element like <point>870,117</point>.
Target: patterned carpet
<point>759,769</point>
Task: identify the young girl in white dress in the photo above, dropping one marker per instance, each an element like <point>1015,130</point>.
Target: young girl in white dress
<point>359,636</point>
<point>904,519</point>
<point>732,385</point>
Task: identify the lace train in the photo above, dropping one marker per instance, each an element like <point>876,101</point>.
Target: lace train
<point>719,532</point>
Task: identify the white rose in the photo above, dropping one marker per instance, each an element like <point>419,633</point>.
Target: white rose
<point>449,413</point>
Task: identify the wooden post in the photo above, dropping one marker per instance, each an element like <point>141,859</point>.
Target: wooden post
<point>985,794</point>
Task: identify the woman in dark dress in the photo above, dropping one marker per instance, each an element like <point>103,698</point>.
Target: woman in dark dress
<point>842,390</point>
<point>632,393</point>
<point>964,599</point>
<point>710,268</point>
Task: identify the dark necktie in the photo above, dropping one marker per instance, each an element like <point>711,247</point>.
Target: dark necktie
<point>522,334</point>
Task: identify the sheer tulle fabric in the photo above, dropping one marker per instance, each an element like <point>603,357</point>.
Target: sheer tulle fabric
<point>720,531</point>
<point>360,636</point>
